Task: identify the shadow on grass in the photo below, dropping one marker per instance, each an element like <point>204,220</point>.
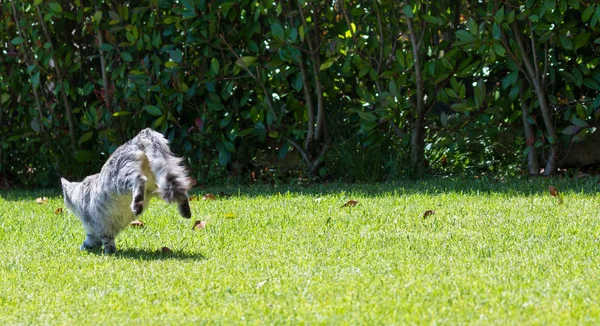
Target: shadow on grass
<point>145,254</point>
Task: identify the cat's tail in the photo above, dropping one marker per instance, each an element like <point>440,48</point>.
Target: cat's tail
<point>171,177</point>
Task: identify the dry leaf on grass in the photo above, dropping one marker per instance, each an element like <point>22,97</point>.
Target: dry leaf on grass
<point>58,211</point>
<point>350,203</point>
<point>41,200</point>
<point>137,224</point>
<point>166,250</point>
<point>199,225</point>
<point>427,213</point>
<point>554,193</point>
<point>209,197</point>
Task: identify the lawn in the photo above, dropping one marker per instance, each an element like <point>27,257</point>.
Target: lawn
<point>492,253</point>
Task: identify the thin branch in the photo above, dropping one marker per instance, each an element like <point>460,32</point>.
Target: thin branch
<point>528,66</point>
<point>533,52</point>
<point>423,27</point>
<point>348,20</point>
<point>65,99</point>
<point>545,64</point>
<point>380,61</point>
<point>255,77</point>
<point>29,62</point>
<point>299,149</point>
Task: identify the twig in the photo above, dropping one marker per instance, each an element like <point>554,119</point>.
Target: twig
<point>257,79</point>
<point>348,21</point>
<point>60,80</point>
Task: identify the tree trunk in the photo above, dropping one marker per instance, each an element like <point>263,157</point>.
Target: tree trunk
<point>417,142</point>
<point>532,158</point>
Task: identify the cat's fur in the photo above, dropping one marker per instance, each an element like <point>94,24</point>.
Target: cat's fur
<point>109,201</point>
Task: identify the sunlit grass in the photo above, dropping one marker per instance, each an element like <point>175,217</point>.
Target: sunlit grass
<point>493,252</point>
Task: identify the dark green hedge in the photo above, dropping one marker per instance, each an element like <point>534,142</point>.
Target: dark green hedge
<point>277,90</point>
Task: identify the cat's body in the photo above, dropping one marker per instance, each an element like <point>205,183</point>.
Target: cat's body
<point>109,201</point>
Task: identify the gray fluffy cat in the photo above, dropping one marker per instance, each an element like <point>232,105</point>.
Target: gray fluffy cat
<point>109,201</point>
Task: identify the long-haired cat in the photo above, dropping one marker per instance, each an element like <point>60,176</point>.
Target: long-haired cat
<point>109,201</point>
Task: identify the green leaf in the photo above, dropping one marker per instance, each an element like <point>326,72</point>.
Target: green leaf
<point>365,94</point>
<point>214,66</point>
<point>587,13</point>
<point>407,10</point>
<point>430,19</point>
<point>499,49</point>
<point>223,157</point>
<point>571,130</point>
<point>274,134</point>
<point>121,113</point>
<point>460,107</point>
<point>327,64</point>
<point>591,83</point>
<point>85,137</point>
<point>393,88</point>
<point>55,7</point>
<point>159,122</point>
<point>245,61</point>
<point>581,111</point>
<point>171,64</point>
<point>176,55</point>
<point>367,116</point>
<point>126,56</point>
<point>277,31</point>
<point>496,31</point>
<point>499,17</point>
<point>581,39</point>
<point>107,47</point>
<point>153,110</point>
<point>189,5</point>
<point>35,79</point>
<point>17,40</point>
<point>97,17</point>
<point>578,122</point>
<point>465,36</point>
<point>566,42</point>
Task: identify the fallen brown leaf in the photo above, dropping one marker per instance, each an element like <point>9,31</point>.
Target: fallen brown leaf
<point>555,193</point>
<point>209,197</point>
<point>137,224</point>
<point>58,211</point>
<point>166,250</point>
<point>427,213</point>
<point>199,225</point>
<point>350,203</point>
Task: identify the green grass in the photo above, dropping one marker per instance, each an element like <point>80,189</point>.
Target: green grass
<point>492,253</point>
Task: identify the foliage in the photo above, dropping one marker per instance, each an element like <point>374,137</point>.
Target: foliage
<point>494,251</point>
<point>255,85</point>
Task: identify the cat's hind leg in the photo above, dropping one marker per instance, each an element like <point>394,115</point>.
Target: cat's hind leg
<point>91,242</point>
<point>108,241</point>
<point>139,191</point>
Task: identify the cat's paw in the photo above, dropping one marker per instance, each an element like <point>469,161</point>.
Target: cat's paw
<point>110,249</point>
<point>137,207</point>
<point>184,210</point>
